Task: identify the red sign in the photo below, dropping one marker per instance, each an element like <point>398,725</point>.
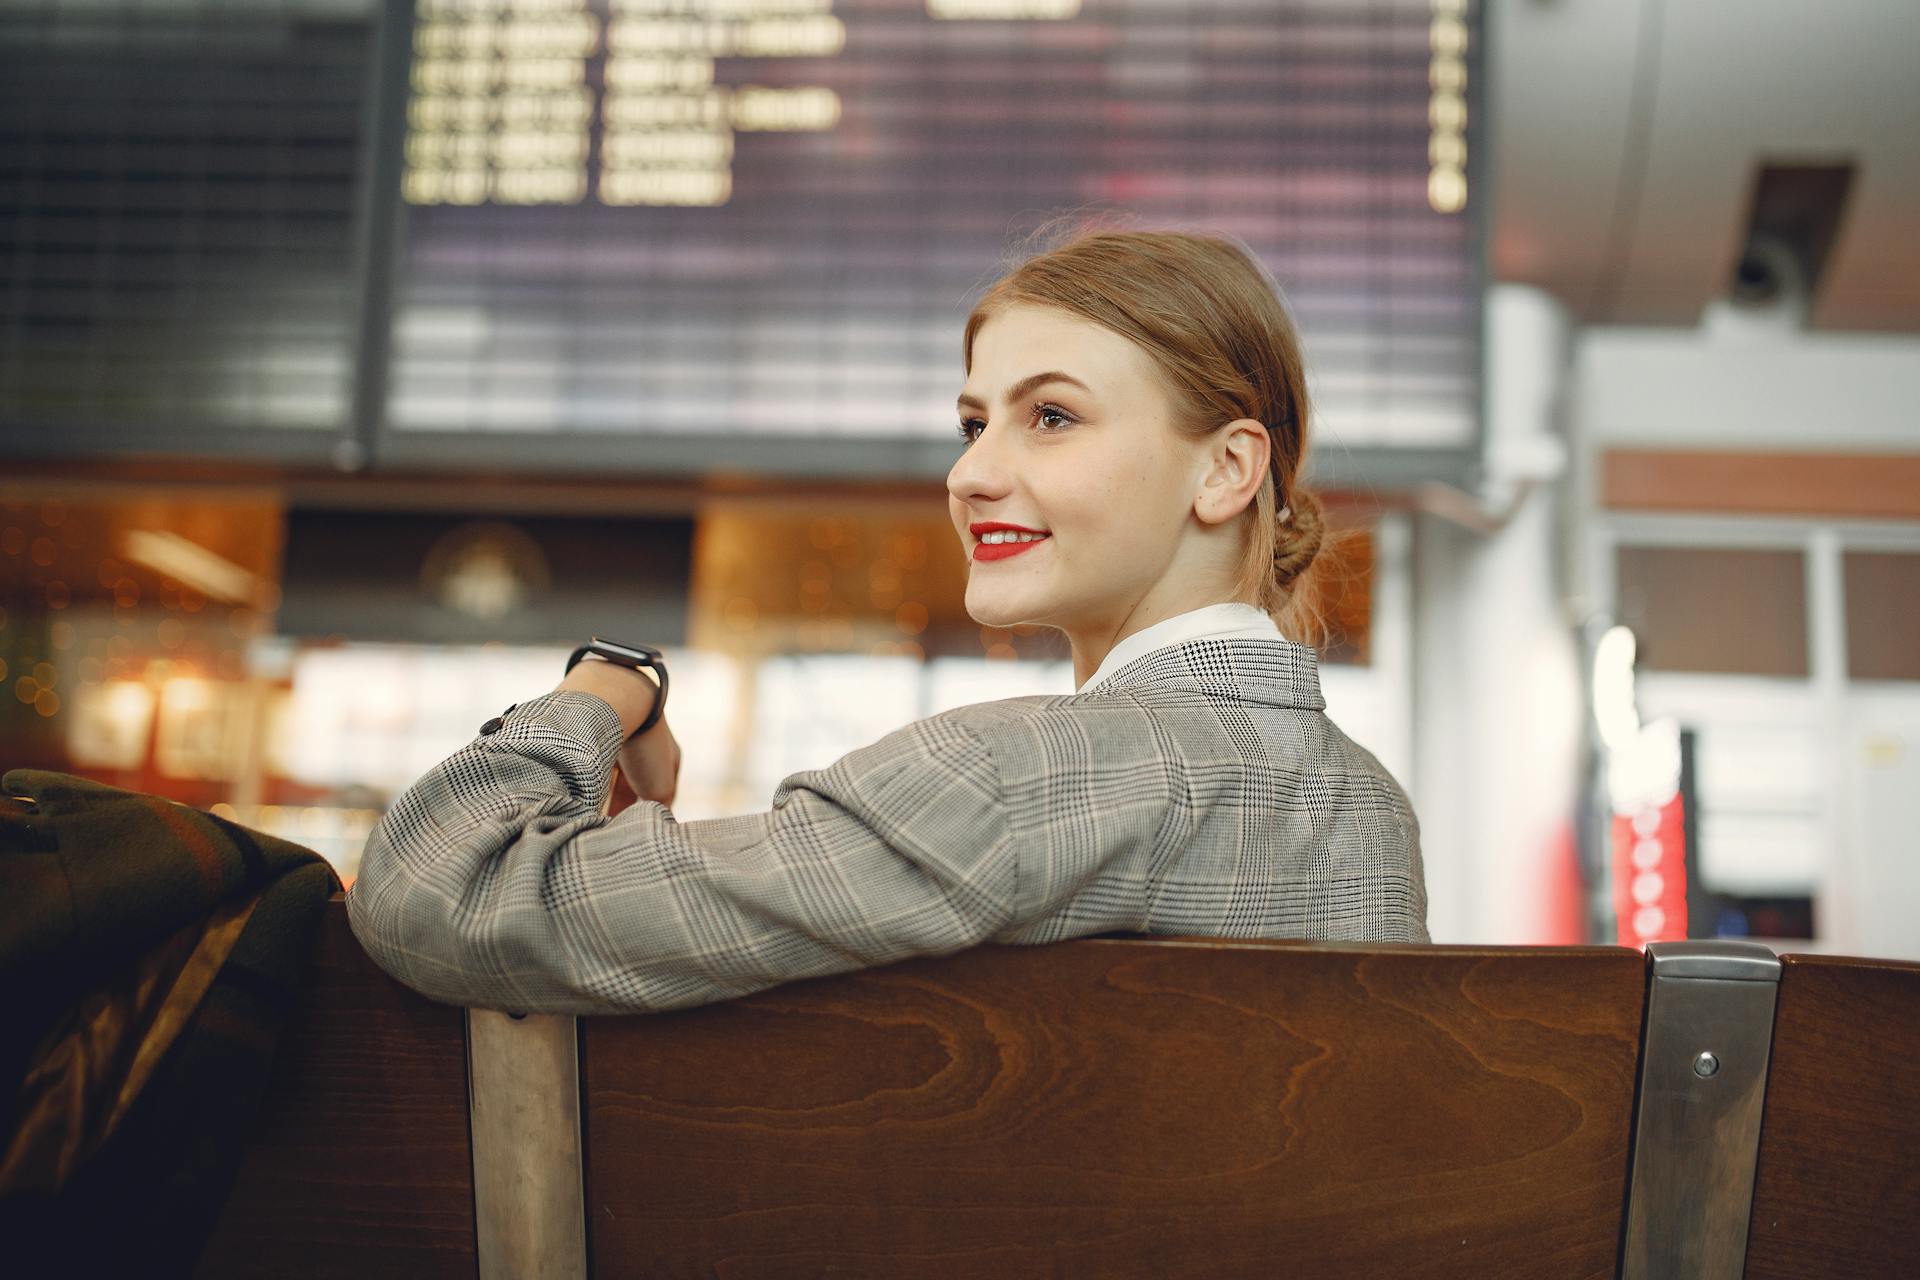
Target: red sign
<point>1650,874</point>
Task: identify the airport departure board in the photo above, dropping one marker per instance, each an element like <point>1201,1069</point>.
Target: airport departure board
<point>766,219</point>
<point>181,201</point>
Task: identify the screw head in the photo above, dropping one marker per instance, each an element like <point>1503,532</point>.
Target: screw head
<point>1705,1064</point>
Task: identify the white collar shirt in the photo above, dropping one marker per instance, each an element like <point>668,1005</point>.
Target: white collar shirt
<point>1209,622</point>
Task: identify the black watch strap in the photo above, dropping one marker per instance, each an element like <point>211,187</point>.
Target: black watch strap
<point>637,657</point>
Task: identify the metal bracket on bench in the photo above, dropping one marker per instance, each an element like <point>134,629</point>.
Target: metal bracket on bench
<point>523,1099</point>
<point>1703,1079</point>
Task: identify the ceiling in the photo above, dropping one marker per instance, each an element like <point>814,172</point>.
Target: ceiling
<point>1626,136</point>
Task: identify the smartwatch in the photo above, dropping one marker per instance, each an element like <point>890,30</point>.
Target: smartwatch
<point>636,656</point>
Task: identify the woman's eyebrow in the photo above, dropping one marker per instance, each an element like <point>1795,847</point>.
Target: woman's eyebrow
<point>1026,385</point>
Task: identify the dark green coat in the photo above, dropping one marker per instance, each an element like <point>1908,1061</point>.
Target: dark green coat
<point>149,954</point>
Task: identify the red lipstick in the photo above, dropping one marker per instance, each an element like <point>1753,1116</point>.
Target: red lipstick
<point>1002,550</point>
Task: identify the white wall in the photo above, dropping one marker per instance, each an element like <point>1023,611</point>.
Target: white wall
<point>1758,388</point>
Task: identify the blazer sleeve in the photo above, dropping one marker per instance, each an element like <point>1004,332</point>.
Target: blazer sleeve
<point>494,881</point>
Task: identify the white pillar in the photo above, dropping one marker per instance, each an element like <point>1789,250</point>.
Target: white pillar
<point>1498,711</point>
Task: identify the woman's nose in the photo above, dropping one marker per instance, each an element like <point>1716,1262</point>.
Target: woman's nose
<point>978,473</point>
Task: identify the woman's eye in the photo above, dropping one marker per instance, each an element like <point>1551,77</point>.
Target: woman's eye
<point>1051,417</point>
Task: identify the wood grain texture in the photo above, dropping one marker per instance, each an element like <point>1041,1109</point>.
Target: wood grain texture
<point>361,1166</point>
<point>1171,1108</point>
<point>1837,1187</point>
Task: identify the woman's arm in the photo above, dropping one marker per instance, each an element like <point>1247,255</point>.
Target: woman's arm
<point>495,881</point>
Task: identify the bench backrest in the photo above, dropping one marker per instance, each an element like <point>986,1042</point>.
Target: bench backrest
<point>1100,1107</point>
<point>362,1165</point>
<point>1122,1108</point>
<point>1838,1188</point>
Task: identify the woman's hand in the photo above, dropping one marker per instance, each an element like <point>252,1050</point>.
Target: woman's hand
<point>649,762</point>
<point>650,766</point>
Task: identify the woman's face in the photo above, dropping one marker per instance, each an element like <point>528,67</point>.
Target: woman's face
<point>1072,437</point>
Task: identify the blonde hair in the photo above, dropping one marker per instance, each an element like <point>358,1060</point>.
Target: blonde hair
<point>1215,325</point>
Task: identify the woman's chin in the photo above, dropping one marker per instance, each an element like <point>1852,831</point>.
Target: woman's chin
<point>993,609</point>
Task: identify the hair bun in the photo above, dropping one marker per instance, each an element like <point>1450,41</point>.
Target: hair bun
<point>1297,541</point>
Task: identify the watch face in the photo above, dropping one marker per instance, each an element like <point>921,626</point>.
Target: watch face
<point>626,654</point>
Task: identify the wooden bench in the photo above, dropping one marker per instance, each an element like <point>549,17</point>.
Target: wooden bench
<point>1112,1107</point>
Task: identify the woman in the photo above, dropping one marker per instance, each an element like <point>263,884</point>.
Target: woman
<point>1134,418</point>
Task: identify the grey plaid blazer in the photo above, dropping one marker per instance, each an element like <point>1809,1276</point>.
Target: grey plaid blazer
<point>1199,789</point>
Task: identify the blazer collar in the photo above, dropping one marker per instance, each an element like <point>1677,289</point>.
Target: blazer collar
<point>1278,672</point>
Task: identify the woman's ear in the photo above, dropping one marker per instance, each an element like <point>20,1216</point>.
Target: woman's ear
<point>1236,460</point>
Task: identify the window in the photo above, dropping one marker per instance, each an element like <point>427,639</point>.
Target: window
<point>1883,615</point>
<point>1739,612</point>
